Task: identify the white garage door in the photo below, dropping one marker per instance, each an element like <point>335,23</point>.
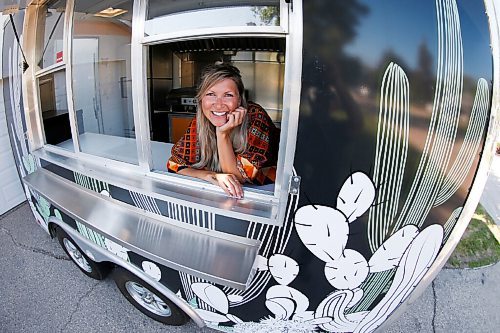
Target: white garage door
<point>11,192</point>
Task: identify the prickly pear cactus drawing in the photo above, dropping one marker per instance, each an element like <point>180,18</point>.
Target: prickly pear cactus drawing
<point>216,301</point>
<point>365,290</point>
<point>402,249</point>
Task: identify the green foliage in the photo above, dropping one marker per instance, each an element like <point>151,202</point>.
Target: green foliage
<point>478,246</point>
<point>267,14</point>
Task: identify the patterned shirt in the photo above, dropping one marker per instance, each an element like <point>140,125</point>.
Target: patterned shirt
<point>257,164</point>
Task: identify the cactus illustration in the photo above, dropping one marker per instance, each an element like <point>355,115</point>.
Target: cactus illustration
<point>415,262</point>
<point>151,269</point>
<point>390,252</point>
<point>472,140</point>
<point>435,180</point>
<point>348,271</point>
<point>117,249</point>
<point>330,315</point>
<point>216,299</point>
<point>356,196</point>
<point>391,152</point>
<point>282,300</point>
<point>323,230</point>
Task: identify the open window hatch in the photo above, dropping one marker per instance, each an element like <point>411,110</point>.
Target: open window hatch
<point>174,70</point>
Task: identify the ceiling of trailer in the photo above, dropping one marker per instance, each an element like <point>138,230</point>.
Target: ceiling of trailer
<point>9,4</point>
<point>236,44</point>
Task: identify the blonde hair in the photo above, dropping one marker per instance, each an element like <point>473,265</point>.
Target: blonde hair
<point>209,157</point>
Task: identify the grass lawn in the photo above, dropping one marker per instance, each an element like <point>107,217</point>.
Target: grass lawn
<point>478,247</point>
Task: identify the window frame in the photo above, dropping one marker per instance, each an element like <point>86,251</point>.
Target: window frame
<point>292,33</point>
<point>194,33</point>
<point>290,119</point>
<point>36,131</point>
<point>38,141</point>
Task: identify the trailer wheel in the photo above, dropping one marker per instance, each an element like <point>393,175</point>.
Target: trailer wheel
<point>89,267</point>
<point>147,299</point>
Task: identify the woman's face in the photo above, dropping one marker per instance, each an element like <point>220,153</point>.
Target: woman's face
<point>219,100</point>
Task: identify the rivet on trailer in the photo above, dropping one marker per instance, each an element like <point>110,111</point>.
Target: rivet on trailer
<point>386,112</point>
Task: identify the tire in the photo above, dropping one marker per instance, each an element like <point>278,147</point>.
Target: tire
<point>89,267</point>
<point>147,299</point>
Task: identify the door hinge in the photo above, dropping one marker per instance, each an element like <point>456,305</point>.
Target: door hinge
<point>294,185</point>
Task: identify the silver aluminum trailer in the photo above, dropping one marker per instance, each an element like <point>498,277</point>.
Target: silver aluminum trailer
<point>387,112</point>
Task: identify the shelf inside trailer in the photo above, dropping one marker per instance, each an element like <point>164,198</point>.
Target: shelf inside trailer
<point>208,254</point>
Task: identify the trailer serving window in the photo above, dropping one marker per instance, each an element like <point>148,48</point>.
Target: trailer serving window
<point>101,76</point>
<point>181,38</point>
<point>125,74</point>
<point>83,73</point>
<point>173,73</point>
<point>51,76</point>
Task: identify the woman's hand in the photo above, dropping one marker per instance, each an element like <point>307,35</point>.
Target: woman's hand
<point>227,157</point>
<point>234,119</point>
<point>228,182</point>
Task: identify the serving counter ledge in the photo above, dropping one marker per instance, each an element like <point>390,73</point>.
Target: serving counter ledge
<point>211,255</point>
<point>254,207</point>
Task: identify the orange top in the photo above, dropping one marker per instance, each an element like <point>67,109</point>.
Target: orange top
<point>257,164</point>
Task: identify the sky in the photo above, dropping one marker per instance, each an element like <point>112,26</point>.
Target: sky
<point>395,18</point>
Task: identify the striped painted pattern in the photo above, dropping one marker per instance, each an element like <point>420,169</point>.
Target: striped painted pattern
<point>175,211</point>
<point>391,153</point>
<point>91,235</point>
<point>90,183</point>
<point>451,222</point>
<point>444,119</point>
<point>472,141</point>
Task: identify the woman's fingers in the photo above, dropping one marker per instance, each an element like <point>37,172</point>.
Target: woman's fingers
<point>229,125</point>
<point>237,188</point>
<point>231,120</point>
<point>234,187</point>
<point>226,189</point>
<point>239,115</point>
<point>230,185</point>
<point>234,119</point>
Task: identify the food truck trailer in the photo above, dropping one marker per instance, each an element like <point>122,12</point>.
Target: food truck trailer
<point>387,111</point>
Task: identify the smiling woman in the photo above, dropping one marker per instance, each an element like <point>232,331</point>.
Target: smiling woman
<point>175,69</point>
<point>230,142</point>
